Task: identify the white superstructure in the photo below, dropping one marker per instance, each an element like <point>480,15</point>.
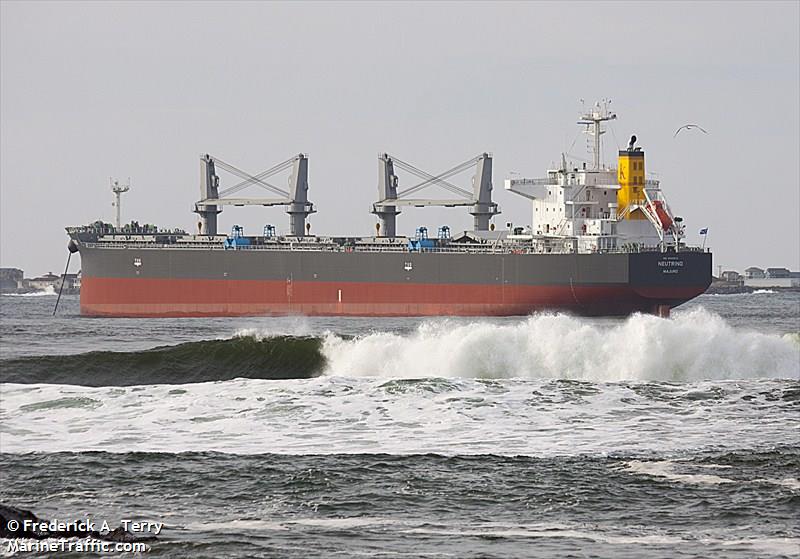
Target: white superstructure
<point>597,209</point>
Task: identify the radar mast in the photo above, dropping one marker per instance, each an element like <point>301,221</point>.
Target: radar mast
<point>593,120</point>
<point>118,189</point>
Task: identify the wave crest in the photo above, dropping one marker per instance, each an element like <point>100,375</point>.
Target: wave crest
<point>49,290</point>
<point>283,357</point>
<point>692,346</point>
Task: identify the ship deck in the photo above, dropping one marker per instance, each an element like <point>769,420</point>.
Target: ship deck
<point>552,245</point>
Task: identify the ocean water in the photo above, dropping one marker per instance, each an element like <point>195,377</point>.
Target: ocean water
<point>539,436</point>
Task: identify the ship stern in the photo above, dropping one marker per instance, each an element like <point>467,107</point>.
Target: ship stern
<point>664,280</point>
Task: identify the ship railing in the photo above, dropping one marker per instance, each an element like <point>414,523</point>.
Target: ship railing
<point>602,181</point>
<point>450,249</point>
<point>304,247</point>
<point>570,179</point>
<point>546,181</point>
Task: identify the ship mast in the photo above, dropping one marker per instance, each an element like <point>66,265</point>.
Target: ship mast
<point>593,120</point>
<point>118,189</point>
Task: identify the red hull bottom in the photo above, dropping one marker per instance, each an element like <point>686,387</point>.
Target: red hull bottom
<point>124,297</point>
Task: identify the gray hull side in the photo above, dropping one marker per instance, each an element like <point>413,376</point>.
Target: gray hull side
<point>641,269</point>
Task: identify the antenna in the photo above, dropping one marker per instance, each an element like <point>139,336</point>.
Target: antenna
<point>593,118</point>
<point>118,189</point>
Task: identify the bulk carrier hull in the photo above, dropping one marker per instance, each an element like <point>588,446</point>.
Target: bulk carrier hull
<point>602,241</point>
<point>182,282</point>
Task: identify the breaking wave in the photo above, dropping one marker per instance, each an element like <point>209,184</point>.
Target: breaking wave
<point>693,346</point>
<point>49,290</point>
<point>283,357</point>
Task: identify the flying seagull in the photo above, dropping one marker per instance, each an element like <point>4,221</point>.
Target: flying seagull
<point>690,127</point>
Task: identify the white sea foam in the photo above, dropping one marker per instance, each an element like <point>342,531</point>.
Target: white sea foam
<point>692,346</point>
<point>666,469</point>
<point>776,547</point>
<point>49,290</point>
<point>372,398</point>
<point>279,326</point>
<point>533,417</point>
<point>794,338</point>
<point>743,293</point>
<point>788,482</point>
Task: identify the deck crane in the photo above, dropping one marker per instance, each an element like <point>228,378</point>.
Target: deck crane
<point>296,198</point>
<point>479,200</point>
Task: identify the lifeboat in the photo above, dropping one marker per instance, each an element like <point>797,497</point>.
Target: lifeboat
<point>663,216</point>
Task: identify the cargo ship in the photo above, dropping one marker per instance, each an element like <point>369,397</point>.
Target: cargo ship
<point>602,241</point>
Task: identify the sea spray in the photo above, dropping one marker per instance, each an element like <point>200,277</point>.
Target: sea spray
<point>692,346</point>
<point>49,290</point>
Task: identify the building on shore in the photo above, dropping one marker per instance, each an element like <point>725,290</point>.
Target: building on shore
<point>72,282</point>
<point>42,283</point>
<point>753,279</point>
<point>754,273</point>
<point>765,283</point>
<point>773,273</point>
<point>731,276</point>
<point>772,277</point>
<point>11,279</point>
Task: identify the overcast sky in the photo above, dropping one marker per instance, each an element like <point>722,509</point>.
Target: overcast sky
<point>92,90</point>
